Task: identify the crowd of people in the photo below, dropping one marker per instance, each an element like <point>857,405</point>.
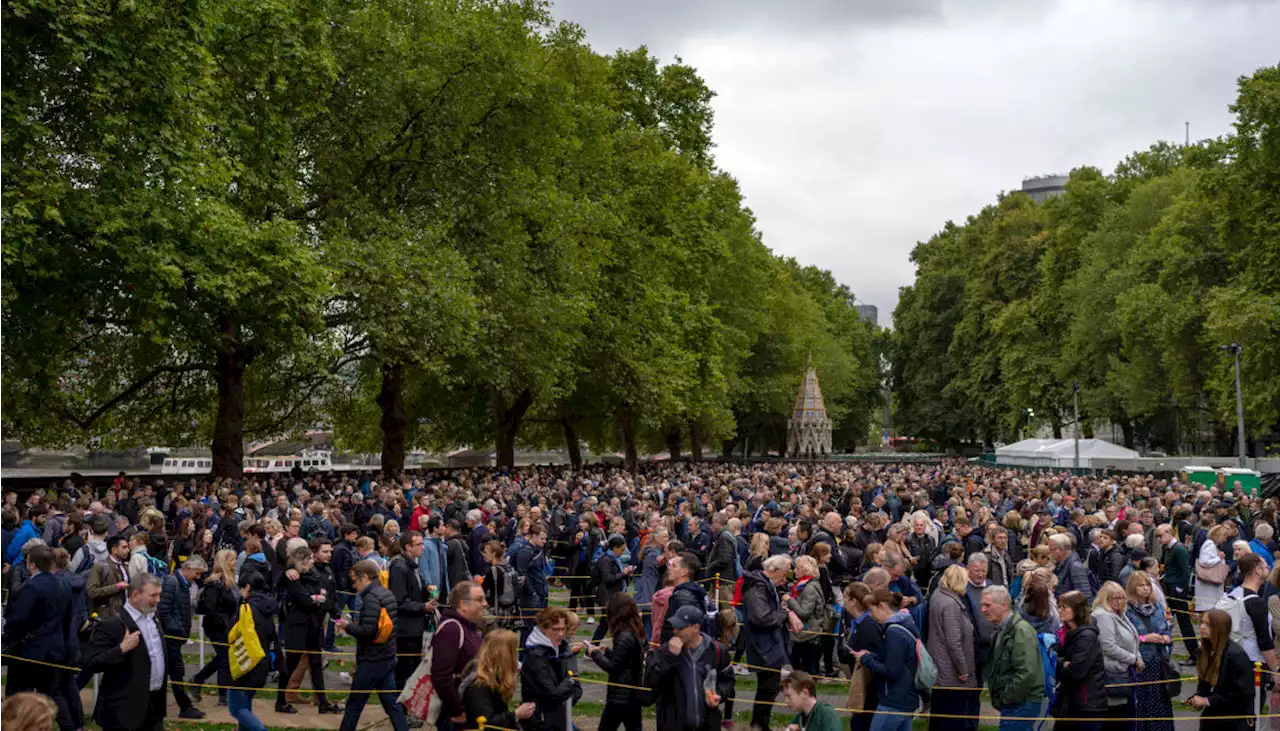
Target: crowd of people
<point>914,585</point>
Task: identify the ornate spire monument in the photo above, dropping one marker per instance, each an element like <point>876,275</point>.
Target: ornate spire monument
<point>809,431</point>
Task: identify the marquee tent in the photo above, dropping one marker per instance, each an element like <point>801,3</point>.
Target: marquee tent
<point>1059,452</point>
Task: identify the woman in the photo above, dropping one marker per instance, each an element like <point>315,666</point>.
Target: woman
<point>1037,603</point>
<point>624,662</point>
<point>304,627</point>
<point>821,552</point>
<point>184,542</point>
<point>1081,672</point>
<point>206,548</point>
<point>1013,525</point>
<point>73,534</point>
<point>896,542</point>
<point>951,645</point>
<point>28,712</point>
<point>811,607</point>
<point>757,552</point>
<point>254,592</point>
<point>1150,701</point>
<point>894,669</point>
<point>585,542</point>
<point>1225,687</point>
<point>495,584</point>
<point>1120,649</point>
<point>495,684</point>
<point>861,690</point>
<point>544,677</point>
<point>1210,563</point>
<point>871,558</point>
<point>218,604</point>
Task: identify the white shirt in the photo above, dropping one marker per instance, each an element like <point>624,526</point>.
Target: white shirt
<point>154,643</point>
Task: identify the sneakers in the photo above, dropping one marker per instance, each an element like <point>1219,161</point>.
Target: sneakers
<point>191,714</point>
<point>330,708</point>
<point>286,708</point>
<point>345,677</point>
<point>739,670</point>
<point>591,620</point>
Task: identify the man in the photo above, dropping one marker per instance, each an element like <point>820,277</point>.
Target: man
<point>37,626</point>
<point>1079,532</point>
<point>800,693</point>
<point>174,611</point>
<point>923,550</point>
<point>1072,575</point>
<point>32,527</point>
<point>94,550</point>
<point>977,567</point>
<point>681,568</point>
<point>1250,621</point>
<point>108,582</point>
<point>480,535</point>
<point>723,560</point>
<point>531,563</point>
<point>544,675</point>
<point>375,661</point>
<point>458,565</point>
<point>129,652</point>
<point>1176,585</point>
<point>1015,674</point>
<point>1111,558</point>
<point>455,643</point>
<point>768,626</point>
<point>828,532</point>
<point>1261,543</point>
<point>406,586</point>
<point>679,670</point>
<point>999,563</point>
<point>343,558</point>
<point>435,558</point>
<point>971,541</point>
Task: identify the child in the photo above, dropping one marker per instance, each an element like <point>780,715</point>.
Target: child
<point>801,695</point>
<point>728,620</point>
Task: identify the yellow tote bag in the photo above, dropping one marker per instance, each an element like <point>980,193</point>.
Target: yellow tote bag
<point>246,649</point>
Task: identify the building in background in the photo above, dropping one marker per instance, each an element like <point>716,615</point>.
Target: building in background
<point>809,432</point>
<point>869,313</point>
<point>1044,187</point>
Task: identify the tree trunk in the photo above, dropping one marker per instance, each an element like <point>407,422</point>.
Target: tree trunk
<point>1126,427</point>
<point>629,438</point>
<point>395,421</point>
<point>674,437</point>
<point>571,443</point>
<point>695,441</point>
<point>1057,428</point>
<point>228,430</point>
<point>506,425</point>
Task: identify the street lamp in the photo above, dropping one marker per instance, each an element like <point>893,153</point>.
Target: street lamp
<point>1075,401</point>
<point>1030,413</point>
<point>1236,348</point>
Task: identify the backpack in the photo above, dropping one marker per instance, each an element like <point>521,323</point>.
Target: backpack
<point>156,567</point>
<point>510,585</point>
<point>926,671</point>
<point>1048,643</point>
<point>385,627</point>
<point>1233,604</point>
<point>85,562</point>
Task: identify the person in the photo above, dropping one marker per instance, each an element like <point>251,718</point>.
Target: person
<point>1261,544</point>
<point>1177,586</point>
<point>1037,602</point>
<point>609,576</point>
<point>254,593</point>
<point>530,563</point>
<point>174,611</point>
<point>1072,573</point>
<point>683,673</point>
<point>651,565</point>
<point>78,617</point>
<point>108,582</point>
<point>1225,686</point>
<point>1120,649</point>
<point>624,662</point>
<point>307,604</point>
<point>375,649</point>
<point>37,629</point>
<point>894,668</point>
<point>94,550</point>
<point>809,604</point>
<point>343,558</point>
<point>1156,638</point>
<point>1209,556</point>
<point>405,582</point>
<point>129,651</point>
<point>768,625</point>
<point>1015,674</point>
<point>685,591</point>
<point>726,680</point>
<point>455,643</point>
<point>1081,673</point>
<point>139,557</point>
<point>951,645</point>
<point>28,711</point>
<point>496,674</point>
<point>544,677</point>
<point>800,693</point>
<point>501,584</point>
<point>218,603</point>
<point>1250,621</point>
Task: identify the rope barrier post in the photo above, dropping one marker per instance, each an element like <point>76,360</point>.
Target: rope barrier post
<point>1257,686</point>
<point>568,709</point>
<point>480,722</point>
<point>717,591</point>
<point>96,676</point>
<point>202,644</point>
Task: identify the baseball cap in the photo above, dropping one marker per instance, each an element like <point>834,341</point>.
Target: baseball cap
<point>685,617</point>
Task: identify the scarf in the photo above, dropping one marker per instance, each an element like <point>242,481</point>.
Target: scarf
<point>799,586</point>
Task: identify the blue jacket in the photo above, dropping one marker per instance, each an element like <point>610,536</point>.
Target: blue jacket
<point>432,565</point>
<point>650,577</point>
<point>26,532</point>
<point>531,563</point>
<point>38,619</point>
<point>174,609</point>
<point>76,584</point>
<point>1261,549</point>
<point>895,669</point>
<point>768,638</point>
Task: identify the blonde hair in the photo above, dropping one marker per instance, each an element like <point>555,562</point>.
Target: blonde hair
<point>496,666</point>
<point>1108,590</point>
<point>955,578</point>
<point>1136,579</point>
<point>27,712</point>
<point>806,566</point>
<point>759,544</point>
<point>224,567</point>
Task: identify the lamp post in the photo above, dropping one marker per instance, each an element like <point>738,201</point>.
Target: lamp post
<point>1075,401</point>
<point>1236,348</point>
<point>1030,413</point>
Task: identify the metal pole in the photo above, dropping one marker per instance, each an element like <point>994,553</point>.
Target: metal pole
<point>1239,408</point>
<point>1075,400</point>
<point>201,644</point>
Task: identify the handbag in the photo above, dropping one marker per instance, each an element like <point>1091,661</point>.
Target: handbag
<point>1216,574</point>
<point>859,680</point>
<point>246,648</point>
<point>419,696</point>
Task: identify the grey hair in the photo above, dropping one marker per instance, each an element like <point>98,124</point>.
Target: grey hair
<point>142,581</point>
<point>31,543</point>
<point>978,559</point>
<point>1264,531</point>
<point>998,594</point>
<point>1134,541</point>
<point>195,562</point>
<point>777,563</point>
<point>892,560</point>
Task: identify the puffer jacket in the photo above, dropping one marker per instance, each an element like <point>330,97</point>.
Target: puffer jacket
<point>951,640</point>
<point>688,594</point>
<point>1081,678</point>
<point>811,607</point>
<point>544,677</point>
<point>1120,645</point>
<point>768,639</point>
<point>174,609</point>
<point>218,605</point>
<point>625,664</point>
<point>364,626</point>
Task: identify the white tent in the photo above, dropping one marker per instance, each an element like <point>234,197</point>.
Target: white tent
<point>1060,452</point>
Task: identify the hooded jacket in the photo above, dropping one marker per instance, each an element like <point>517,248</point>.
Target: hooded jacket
<point>688,594</point>
<point>26,532</point>
<point>95,550</point>
<point>1081,678</point>
<point>894,670</point>
<point>544,677</point>
<point>625,664</point>
<point>264,610</point>
<point>678,682</point>
<point>768,639</point>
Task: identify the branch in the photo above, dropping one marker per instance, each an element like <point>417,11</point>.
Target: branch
<point>85,422</point>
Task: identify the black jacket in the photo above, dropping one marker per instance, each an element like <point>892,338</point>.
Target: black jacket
<point>1081,677</point>
<point>459,568</point>
<point>723,557</point>
<point>544,678</point>
<point>1111,562</point>
<point>625,664</point>
<point>768,639</point>
<point>481,701</point>
<point>304,617</point>
<point>264,610</point>
<point>840,573</point>
<point>610,579</point>
<point>688,594</point>
<point>218,605</point>
<point>405,583</point>
<point>174,609</point>
<point>38,620</point>
<point>669,676</point>
<point>364,625</point>
<point>924,548</point>
<point>1231,693</point>
<point>344,557</point>
<point>123,694</point>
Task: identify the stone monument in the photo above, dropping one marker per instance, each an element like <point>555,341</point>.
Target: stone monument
<point>809,431</point>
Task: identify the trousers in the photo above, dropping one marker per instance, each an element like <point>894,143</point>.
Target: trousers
<point>382,678</point>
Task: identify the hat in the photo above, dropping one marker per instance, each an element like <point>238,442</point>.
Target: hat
<point>686,617</point>
<point>1137,554</point>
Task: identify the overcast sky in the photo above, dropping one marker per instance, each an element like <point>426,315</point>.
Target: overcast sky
<point>859,127</point>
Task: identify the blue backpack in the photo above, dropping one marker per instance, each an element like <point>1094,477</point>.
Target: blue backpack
<point>157,567</point>
<point>1048,644</point>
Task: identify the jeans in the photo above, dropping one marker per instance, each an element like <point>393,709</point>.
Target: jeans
<point>1025,715</point>
<point>898,720</point>
<point>175,669</point>
<point>766,693</point>
<point>240,705</point>
<point>381,677</point>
